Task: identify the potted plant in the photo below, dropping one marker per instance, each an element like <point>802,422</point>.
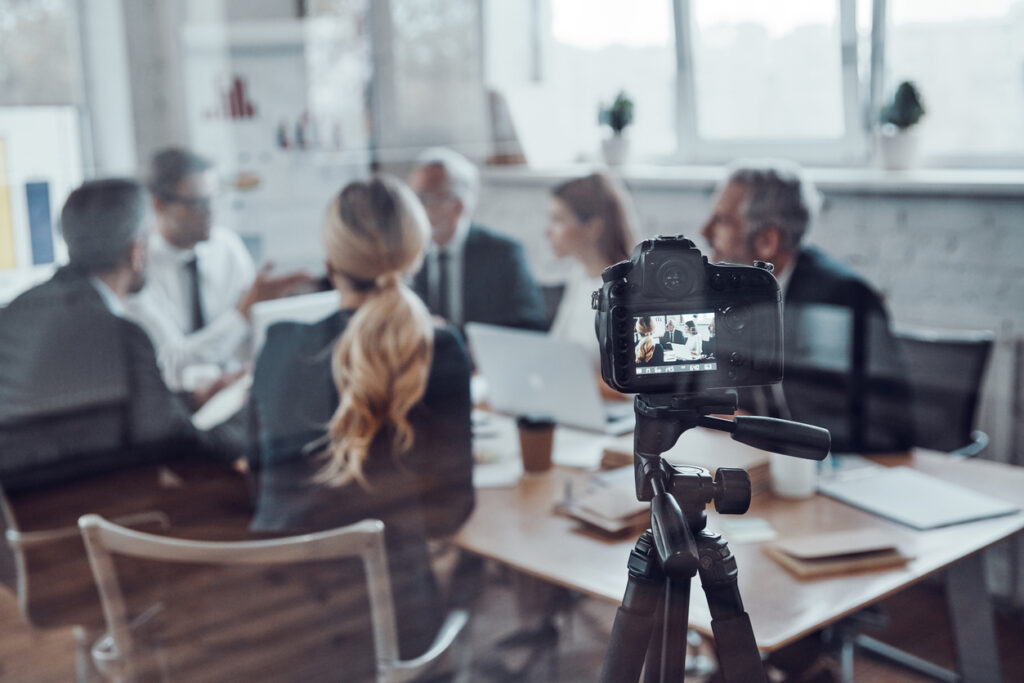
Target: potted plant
<point>618,116</point>
<point>898,133</point>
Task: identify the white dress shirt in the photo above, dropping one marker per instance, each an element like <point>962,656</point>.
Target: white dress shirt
<point>574,319</point>
<point>163,308</point>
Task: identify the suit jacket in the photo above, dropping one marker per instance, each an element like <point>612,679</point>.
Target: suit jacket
<point>80,391</point>
<point>843,368</point>
<point>676,337</point>
<point>427,491</point>
<point>497,286</point>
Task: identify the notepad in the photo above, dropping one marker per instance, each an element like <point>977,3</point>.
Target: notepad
<point>837,552</point>
<point>913,498</point>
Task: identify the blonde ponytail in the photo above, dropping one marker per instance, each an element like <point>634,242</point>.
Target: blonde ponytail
<point>375,232</point>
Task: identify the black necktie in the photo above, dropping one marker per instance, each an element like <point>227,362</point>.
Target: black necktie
<point>443,307</point>
<point>195,298</point>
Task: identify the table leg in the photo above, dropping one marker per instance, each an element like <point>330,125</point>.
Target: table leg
<point>971,614</point>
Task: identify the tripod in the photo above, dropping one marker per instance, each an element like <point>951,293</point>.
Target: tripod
<point>651,623</point>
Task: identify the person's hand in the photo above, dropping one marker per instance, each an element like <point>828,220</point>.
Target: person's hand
<point>203,394</point>
<point>265,288</point>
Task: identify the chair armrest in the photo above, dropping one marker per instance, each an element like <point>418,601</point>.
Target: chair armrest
<point>451,628</point>
<point>979,441</point>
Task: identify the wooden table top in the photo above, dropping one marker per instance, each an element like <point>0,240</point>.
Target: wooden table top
<point>517,527</point>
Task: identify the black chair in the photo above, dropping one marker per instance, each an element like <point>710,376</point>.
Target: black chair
<point>552,295</point>
<point>945,370</point>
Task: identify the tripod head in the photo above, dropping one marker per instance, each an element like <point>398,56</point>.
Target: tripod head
<point>679,495</point>
<point>661,419</point>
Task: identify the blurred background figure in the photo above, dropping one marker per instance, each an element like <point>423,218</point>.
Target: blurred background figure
<point>80,391</point>
<point>470,273</point>
<point>832,316</point>
<point>588,221</point>
<point>202,282</point>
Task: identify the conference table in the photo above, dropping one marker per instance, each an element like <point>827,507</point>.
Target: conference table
<point>516,524</point>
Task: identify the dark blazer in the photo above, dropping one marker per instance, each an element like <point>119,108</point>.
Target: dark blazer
<point>676,337</point>
<point>428,491</point>
<point>80,391</point>
<point>843,368</point>
<point>497,286</point>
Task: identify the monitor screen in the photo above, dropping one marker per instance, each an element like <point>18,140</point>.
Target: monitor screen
<point>674,342</point>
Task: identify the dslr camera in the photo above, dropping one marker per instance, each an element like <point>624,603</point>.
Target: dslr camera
<point>670,322</point>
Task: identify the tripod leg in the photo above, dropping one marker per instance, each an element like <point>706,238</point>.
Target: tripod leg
<point>675,621</point>
<point>738,656</point>
<point>631,630</point>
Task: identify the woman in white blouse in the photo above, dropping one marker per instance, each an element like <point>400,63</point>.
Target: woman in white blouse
<point>589,222</point>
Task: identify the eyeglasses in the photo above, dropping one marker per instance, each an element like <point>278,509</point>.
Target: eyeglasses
<point>198,203</point>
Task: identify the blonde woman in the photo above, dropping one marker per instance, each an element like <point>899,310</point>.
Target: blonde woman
<point>648,351</point>
<point>366,413</point>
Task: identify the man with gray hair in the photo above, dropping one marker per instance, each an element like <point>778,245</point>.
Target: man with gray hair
<point>80,391</point>
<point>470,273</point>
<point>843,368</point>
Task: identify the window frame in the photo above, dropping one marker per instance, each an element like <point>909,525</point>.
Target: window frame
<point>852,149</point>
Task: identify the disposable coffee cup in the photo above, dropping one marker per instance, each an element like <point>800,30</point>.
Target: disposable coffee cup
<point>793,477</point>
<point>536,436</point>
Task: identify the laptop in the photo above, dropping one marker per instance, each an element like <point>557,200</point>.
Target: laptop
<point>533,373</point>
<point>304,308</point>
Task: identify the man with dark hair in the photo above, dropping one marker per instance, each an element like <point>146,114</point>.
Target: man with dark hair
<point>843,368</point>
<point>470,274</point>
<point>202,281</point>
<point>80,391</point>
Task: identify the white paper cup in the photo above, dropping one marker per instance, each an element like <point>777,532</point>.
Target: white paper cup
<point>793,477</point>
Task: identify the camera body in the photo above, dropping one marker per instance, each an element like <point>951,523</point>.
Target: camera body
<point>670,322</point>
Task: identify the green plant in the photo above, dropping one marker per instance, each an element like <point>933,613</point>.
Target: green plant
<point>619,114</point>
<point>905,109</point>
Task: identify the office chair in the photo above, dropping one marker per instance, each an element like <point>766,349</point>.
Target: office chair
<point>121,654</point>
<point>552,296</point>
<point>43,558</point>
<point>945,370</point>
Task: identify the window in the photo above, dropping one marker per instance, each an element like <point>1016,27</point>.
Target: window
<point>967,59</point>
<point>586,52</point>
<point>713,79</point>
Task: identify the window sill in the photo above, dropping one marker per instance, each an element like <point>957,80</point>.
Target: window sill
<point>854,181</point>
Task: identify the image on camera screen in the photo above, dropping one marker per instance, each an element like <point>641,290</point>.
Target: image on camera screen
<point>674,342</point>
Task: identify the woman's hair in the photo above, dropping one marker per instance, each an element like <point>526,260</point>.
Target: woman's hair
<point>374,233</point>
<point>597,195</point>
<point>645,349</point>
<point>691,326</point>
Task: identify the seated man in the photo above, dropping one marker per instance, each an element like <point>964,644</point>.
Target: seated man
<point>80,391</point>
<point>843,368</point>
<point>672,335</point>
<point>470,274</point>
<point>202,282</point>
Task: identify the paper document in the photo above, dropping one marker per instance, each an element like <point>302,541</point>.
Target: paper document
<point>910,497</point>
<point>224,404</point>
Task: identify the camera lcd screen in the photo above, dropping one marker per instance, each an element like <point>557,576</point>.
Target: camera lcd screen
<point>674,342</point>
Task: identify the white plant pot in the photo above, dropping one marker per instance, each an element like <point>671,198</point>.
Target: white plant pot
<point>615,149</point>
<point>898,146</point>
